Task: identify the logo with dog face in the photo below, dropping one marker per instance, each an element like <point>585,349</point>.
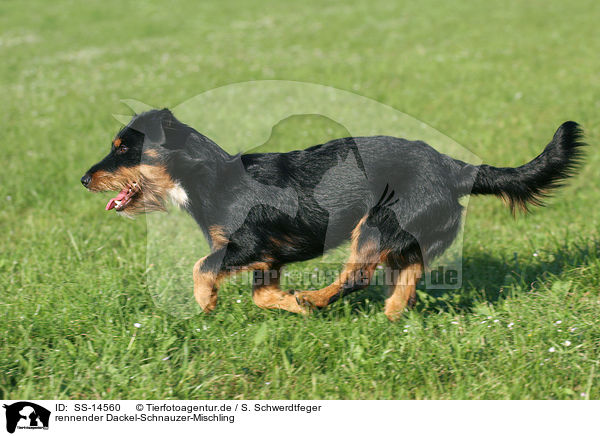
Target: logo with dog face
<point>26,415</point>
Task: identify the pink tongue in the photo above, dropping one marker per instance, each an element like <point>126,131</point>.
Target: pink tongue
<point>112,202</point>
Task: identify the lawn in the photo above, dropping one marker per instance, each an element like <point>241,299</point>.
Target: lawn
<point>77,317</point>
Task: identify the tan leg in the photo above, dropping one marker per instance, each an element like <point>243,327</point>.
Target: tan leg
<point>364,257</point>
<point>205,287</point>
<point>404,291</point>
<point>353,277</point>
<point>268,295</point>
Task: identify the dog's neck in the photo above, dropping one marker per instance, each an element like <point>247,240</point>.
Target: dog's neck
<point>204,176</point>
<point>199,146</point>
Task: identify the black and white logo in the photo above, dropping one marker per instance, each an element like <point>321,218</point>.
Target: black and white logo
<point>26,415</point>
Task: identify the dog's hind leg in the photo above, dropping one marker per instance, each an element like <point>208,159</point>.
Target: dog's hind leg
<point>404,290</point>
<point>267,294</point>
<point>365,254</point>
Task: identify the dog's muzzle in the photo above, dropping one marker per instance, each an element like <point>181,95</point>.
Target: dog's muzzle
<point>86,179</point>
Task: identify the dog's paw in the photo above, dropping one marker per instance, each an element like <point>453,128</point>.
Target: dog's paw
<point>304,302</point>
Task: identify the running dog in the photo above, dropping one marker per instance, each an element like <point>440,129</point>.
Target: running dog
<point>396,200</point>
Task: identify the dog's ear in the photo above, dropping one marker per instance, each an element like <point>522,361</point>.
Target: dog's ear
<point>150,124</point>
<point>154,129</point>
<point>160,127</point>
<point>177,134</point>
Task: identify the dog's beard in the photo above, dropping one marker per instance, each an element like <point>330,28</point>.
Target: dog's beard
<point>142,188</point>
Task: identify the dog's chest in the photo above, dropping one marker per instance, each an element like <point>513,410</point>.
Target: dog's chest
<point>178,195</point>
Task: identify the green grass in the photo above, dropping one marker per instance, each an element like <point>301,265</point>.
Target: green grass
<point>496,77</point>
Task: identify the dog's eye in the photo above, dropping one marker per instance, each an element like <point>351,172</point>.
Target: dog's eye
<point>121,149</point>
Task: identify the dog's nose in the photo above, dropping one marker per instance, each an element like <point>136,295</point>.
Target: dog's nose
<point>86,179</point>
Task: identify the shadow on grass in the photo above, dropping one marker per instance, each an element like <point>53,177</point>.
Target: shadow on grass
<point>487,278</point>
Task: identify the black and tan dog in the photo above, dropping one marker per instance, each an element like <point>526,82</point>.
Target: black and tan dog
<point>396,200</point>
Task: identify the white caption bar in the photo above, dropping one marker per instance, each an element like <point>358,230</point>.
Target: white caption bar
<point>95,417</point>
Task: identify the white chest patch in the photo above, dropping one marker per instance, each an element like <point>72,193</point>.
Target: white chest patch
<point>178,195</point>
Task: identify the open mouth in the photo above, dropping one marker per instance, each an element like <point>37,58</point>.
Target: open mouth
<point>125,197</point>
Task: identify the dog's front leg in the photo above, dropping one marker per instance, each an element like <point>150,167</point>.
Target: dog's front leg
<point>267,294</point>
<point>206,278</point>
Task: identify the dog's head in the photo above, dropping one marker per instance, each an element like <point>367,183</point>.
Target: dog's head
<point>136,166</point>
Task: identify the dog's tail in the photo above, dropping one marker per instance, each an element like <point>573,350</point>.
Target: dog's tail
<point>529,183</point>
